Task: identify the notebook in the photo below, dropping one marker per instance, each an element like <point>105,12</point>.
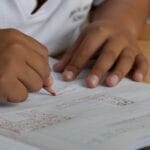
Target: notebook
<point>79,118</point>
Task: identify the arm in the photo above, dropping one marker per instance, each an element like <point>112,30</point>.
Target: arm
<point>111,38</point>
<point>132,14</point>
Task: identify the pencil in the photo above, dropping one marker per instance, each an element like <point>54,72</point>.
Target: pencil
<point>50,90</point>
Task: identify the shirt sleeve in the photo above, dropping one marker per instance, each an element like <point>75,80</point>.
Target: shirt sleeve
<point>97,2</point>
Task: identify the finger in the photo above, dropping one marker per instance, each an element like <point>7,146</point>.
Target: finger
<point>141,68</point>
<point>81,56</point>
<point>40,65</point>
<point>60,66</point>
<point>28,41</point>
<point>30,79</point>
<point>106,60</point>
<point>15,92</point>
<point>122,68</point>
<point>48,86</point>
<point>48,82</point>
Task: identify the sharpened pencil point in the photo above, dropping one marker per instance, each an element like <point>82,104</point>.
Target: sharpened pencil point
<point>50,90</point>
<point>53,94</point>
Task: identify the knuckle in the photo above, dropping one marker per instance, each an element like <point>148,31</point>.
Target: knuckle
<point>89,49</point>
<point>15,46</point>
<point>84,54</point>
<point>99,70</point>
<point>16,51</point>
<point>111,54</point>
<point>129,58</point>
<point>74,67</point>
<point>100,29</point>
<point>122,38</point>
<point>120,73</point>
<point>133,50</point>
<point>12,32</point>
<point>129,55</point>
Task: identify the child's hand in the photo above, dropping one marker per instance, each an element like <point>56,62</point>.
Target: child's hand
<point>114,47</point>
<point>23,65</point>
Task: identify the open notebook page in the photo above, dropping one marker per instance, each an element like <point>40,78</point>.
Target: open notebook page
<point>80,118</point>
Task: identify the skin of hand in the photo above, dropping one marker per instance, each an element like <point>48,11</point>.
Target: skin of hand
<point>23,66</point>
<point>110,38</point>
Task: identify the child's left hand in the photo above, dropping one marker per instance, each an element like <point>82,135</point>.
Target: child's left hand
<point>116,50</point>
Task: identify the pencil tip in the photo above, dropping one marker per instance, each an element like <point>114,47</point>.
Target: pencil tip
<point>53,93</point>
<point>50,90</point>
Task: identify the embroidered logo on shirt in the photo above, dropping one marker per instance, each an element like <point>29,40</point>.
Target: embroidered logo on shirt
<point>79,13</point>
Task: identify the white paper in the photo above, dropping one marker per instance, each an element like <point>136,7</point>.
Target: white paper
<point>80,118</point>
<point>6,143</point>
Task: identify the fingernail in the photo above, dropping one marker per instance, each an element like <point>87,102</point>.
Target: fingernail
<point>112,80</point>
<point>138,76</point>
<point>68,75</point>
<point>92,81</point>
<point>57,66</point>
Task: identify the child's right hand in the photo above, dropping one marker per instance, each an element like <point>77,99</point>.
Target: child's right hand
<point>23,65</point>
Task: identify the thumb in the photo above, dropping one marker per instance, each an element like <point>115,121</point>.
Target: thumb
<point>48,86</point>
<point>48,82</point>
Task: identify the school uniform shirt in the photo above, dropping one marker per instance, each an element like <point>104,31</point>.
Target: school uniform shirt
<point>56,24</point>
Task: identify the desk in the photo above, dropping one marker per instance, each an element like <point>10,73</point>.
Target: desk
<point>144,43</point>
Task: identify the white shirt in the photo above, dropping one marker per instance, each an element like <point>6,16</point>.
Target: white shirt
<point>56,24</point>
